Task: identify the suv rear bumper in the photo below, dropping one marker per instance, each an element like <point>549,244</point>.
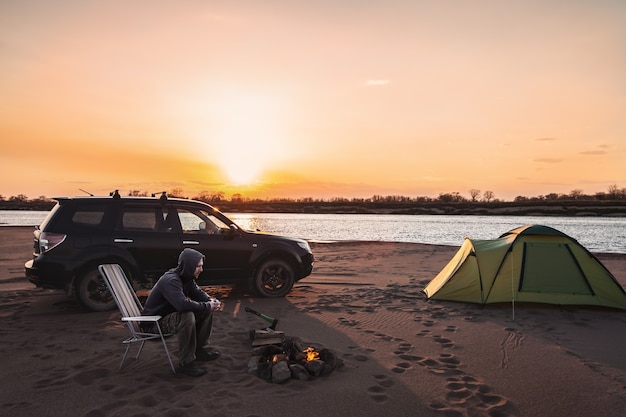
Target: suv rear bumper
<point>49,275</point>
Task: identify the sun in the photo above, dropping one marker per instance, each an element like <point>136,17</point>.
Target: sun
<point>242,169</point>
<point>245,132</point>
<point>251,137</point>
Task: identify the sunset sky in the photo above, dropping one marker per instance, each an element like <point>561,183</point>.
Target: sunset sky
<point>322,99</point>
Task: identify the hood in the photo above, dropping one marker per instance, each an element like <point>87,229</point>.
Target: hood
<point>187,263</point>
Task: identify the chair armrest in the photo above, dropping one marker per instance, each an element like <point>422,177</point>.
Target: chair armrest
<point>142,318</point>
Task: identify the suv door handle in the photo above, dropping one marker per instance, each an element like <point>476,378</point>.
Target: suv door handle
<point>117,240</point>
<point>190,242</point>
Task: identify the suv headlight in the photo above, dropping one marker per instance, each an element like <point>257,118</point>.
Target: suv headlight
<point>304,245</point>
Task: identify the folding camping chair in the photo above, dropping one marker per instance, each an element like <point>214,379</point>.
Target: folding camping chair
<point>130,307</point>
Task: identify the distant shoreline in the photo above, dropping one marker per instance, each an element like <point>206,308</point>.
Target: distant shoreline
<point>569,208</point>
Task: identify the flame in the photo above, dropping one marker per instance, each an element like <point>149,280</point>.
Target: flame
<point>311,354</point>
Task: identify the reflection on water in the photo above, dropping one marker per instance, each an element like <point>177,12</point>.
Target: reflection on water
<point>598,234</point>
<point>601,234</point>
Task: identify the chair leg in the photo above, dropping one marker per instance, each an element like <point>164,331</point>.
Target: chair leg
<point>167,351</point>
<point>140,349</point>
<point>125,354</point>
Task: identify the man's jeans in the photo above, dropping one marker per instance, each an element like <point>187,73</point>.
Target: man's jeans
<point>192,331</point>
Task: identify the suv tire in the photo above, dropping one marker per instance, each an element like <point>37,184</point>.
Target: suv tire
<point>92,292</point>
<point>274,278</point>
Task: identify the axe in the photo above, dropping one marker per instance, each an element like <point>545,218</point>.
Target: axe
<point>264,317</point>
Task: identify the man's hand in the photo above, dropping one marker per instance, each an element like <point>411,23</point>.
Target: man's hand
<point>215,304</point>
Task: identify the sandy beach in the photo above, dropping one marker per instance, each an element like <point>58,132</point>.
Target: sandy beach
<point>401,355</point>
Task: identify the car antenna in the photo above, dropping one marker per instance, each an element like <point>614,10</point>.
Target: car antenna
<point>86,192</point>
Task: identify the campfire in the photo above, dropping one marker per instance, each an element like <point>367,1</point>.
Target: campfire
<point>292,358</point>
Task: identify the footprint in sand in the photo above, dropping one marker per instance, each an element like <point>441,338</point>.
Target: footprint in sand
<point>378,392</point>
<point>401,367</point>
<point>54,378</point>
<point>447,364</point>
<point>347,322</point>
<point>403,348</point>
<point>90,376</point>
<point>465,395</point>
<point>446,343</point>
<point>357,357</point>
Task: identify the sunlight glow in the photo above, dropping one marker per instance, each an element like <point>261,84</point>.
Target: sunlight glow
<point>249,136</point>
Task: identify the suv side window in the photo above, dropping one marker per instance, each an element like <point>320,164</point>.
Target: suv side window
<point>142,218</point>
<point>200,221</point>
<point>89,215</point>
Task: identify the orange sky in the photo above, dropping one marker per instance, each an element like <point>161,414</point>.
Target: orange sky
<point>312,99</point>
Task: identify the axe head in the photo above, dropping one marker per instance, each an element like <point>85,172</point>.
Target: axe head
<point>273,325</point>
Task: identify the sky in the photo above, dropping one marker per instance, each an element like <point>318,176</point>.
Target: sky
<point>322,99</point>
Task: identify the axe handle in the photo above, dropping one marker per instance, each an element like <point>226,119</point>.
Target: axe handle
<point>249,310</point>
<point>264,317</point>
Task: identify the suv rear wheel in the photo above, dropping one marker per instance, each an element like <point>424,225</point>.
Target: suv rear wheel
<point>274,278</point>
<point>92,292</point>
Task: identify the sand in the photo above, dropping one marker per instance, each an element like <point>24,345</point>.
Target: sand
<point>402,355</point>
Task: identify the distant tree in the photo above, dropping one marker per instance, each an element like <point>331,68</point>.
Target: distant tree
<point>176,193</point>
<point>520,199</point>
<point>488,196</point>
<point>18,198</point>
<point>451,197</point>
<point>236,198</point>
<point>137,193</point>
<point>613,192</point>
<point>576,194</point>
<point>474,193</point>
<point>41,199</point>
<point>422,199</point>
<point>217,196</point>
<point>204,196</point>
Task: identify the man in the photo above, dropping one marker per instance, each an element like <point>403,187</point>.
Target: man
<point>185,310</point>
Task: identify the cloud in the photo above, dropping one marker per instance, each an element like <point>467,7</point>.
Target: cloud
<point>548,160</point>
<point>592,153</point>
<point>377,82</point>
<point>545,139</point>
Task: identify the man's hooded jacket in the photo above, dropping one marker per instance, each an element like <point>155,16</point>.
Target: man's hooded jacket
<point>177,290</point>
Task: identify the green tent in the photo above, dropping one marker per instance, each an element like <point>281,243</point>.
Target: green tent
<point>532,263</point>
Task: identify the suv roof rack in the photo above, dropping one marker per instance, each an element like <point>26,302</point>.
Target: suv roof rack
<point>163,195</point>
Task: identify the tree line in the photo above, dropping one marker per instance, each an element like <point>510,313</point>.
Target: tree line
<point>613,194</point>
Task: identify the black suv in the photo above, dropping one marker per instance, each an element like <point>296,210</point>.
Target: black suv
<point>145,235</point>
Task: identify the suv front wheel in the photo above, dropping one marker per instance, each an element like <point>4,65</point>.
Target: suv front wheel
<point>274,278</point>
<point>92,292</point>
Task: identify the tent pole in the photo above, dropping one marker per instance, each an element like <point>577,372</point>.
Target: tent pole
<point>512,289</point>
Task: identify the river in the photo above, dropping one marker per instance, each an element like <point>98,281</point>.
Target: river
<point>598,234</point>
